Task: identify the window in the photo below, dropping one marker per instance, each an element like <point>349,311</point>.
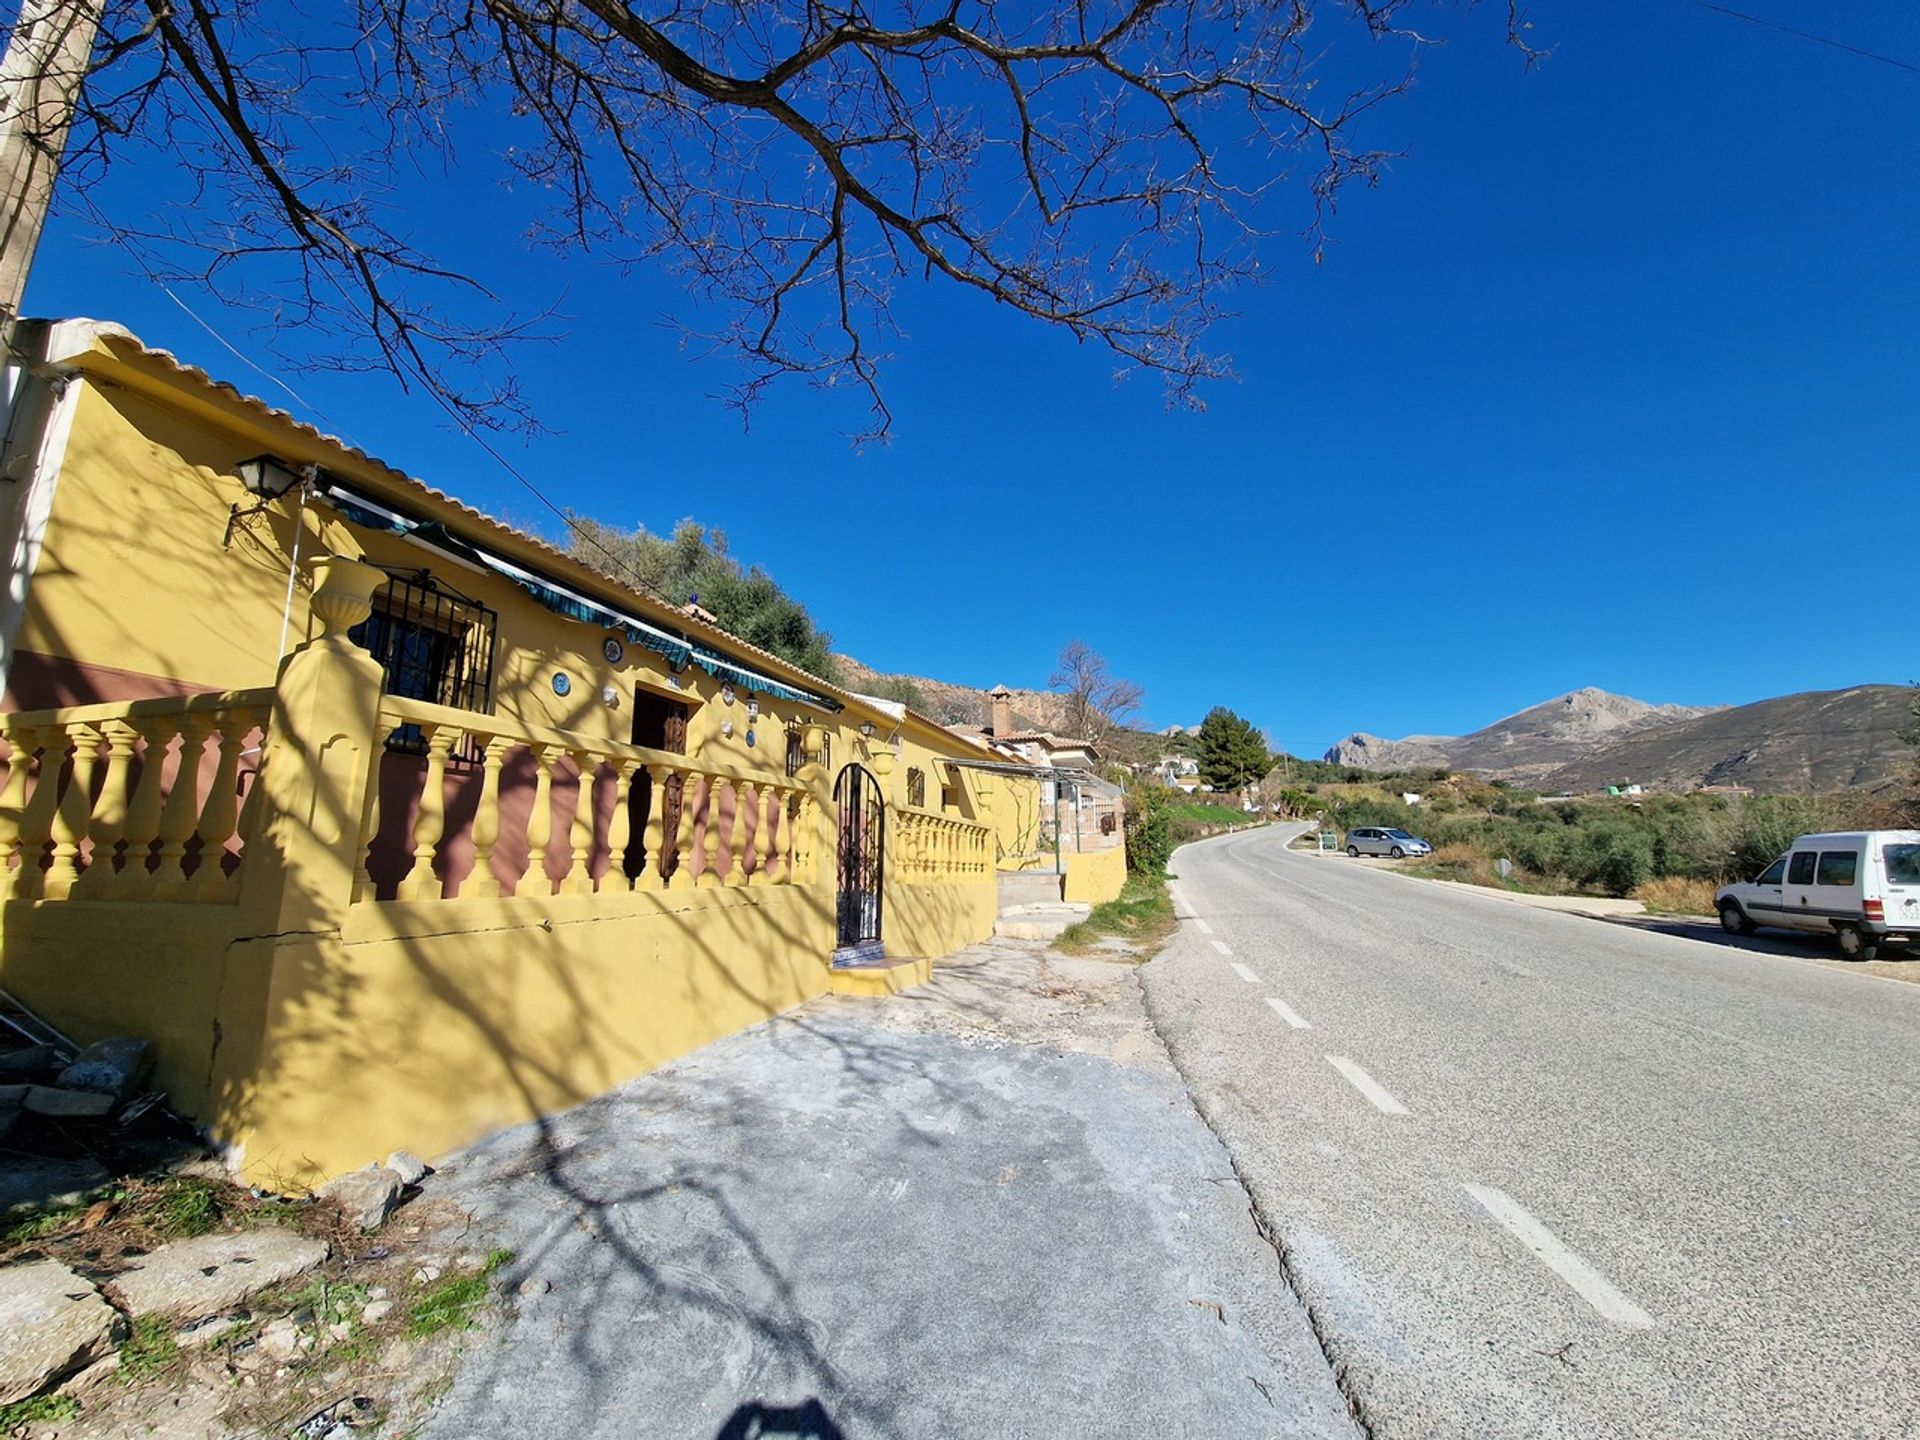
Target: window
<point>916,787</point>
<point>1774,873</point>
<point>1800,872</point>
<point>1903,864</point>
<point>433,645</point>
<point>797,753</point>
<point>1838,867</point>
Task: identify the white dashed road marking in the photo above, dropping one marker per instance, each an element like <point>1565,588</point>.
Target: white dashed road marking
<point>1221,948</point>
<point>1589,1283</point>
<point>1367,1086</point>
<point>1245,974</point>
<point>1287,1013</point>
<point>1205,929</point>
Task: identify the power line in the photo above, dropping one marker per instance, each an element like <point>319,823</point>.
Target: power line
<point>1827,40</point>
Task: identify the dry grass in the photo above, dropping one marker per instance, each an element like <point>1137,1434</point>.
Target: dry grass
<point>1676,896</point>
<point>1462,863</point>
<point>135,1214</point>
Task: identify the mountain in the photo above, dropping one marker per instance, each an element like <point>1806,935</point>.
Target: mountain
<point>1525,747</point>
<point>1816,740</point>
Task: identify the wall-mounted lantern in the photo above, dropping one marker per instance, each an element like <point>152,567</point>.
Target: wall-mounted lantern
<point>268,478</point>
<point>866,729</point>
<point>610,697</point>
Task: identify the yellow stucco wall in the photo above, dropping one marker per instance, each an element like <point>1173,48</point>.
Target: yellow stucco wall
<point>415,1024</point>
<point>1095,876</point>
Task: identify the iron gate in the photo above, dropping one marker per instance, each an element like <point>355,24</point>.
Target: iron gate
<point>862,861</point>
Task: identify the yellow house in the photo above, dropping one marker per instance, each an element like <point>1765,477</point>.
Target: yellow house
<point>390,824</point>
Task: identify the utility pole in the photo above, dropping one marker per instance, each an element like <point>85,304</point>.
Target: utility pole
<point>40,78</point>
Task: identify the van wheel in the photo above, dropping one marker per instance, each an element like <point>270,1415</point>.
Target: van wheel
<point>1353,852</point>
<point>1398,853</point>
<point>1734,920</point>
<point>1857,946</point>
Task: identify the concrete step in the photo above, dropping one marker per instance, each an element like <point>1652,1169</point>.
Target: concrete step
<point>1043,921</point>
<point>1027,887</point>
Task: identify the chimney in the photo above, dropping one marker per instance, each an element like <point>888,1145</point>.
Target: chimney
<point>1002,699</point>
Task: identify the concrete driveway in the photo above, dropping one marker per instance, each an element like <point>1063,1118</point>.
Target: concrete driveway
<point>984,1208</point>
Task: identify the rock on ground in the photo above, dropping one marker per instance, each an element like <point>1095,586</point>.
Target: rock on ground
<point>28,1060</point>
<point>67,1104</point>
<point>408,1166</point>
<point>367,1196</point>
<point>191,1279</point>
<point>116,1068</point>
<point>54,1323</point>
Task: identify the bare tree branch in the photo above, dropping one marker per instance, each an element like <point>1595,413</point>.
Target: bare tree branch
<point>1107,168</point>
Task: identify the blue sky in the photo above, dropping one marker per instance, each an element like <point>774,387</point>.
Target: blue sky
<point>1614,380</point>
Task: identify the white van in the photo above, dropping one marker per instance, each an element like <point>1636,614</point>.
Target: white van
<point>1863,888</point>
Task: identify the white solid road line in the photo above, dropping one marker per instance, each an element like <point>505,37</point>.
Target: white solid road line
<point>1221,948</point>
<point>1592,1286</point>
<point>1367,1086</point>
<point>1287,1013</point>
<point>1205,929</point>
<point>1245,974</point>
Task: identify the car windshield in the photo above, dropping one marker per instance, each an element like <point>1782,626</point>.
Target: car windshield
<point>1903,864</point>
<point>1398,835</point>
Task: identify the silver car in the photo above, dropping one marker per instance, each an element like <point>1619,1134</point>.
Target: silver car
<point>1377,840</point>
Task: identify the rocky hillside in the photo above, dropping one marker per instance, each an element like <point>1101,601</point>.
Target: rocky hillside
<point>953,704</point>
<point>1817,740</point>
<point>1525,747</point>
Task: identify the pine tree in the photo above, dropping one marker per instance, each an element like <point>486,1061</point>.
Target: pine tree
<point>1232,752</point>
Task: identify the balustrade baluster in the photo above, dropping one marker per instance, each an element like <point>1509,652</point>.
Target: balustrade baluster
<point>221,814</point>
<point>539,826</point>
<point>255,802</point>
<point>579,877</point>
<point>429,821</point>
<point>21,743</point>
<point>654,836</point>
<point>710,832</point>
<point>682,863</point>
<point>766,822</point>
<point>619,828</point>
<point>181,812</point>
<point>109,821</point>
<point>481,883</point>
<point>743,800</point>
<point>71,815</point>
<point>363,886</point>
<point>36,825</point>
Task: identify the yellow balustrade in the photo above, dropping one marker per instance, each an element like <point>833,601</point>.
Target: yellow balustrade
<point>726,817</point>
<point>932,848</point>
<point>99,805</point>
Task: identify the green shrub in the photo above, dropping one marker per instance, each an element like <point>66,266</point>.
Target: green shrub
<point>1149,829</point>
<point>1614,855</point>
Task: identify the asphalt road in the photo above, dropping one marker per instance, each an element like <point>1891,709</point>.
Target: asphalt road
<point>1538,1175</point>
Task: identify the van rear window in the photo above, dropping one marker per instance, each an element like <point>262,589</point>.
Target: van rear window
<point>1903,864</point>
<point>1838,867</point>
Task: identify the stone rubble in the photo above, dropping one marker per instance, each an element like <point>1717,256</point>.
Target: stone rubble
<point>189,1280</point>
<point>408,1166</point>
<point>115,1068</point>
<point>367,1196</point>
<point>66,1104</point>
<point>55,1324</point>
